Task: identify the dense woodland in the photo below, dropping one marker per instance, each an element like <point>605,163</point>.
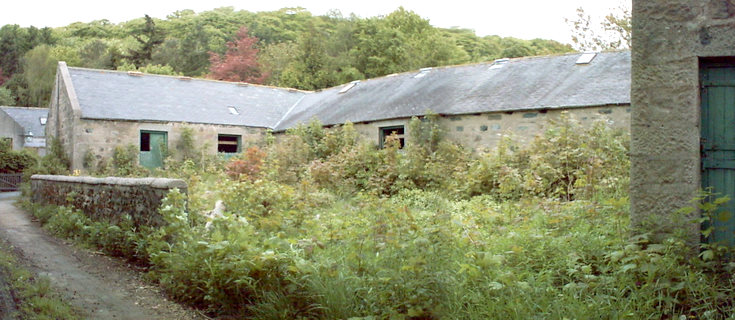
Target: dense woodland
<point>288,48</point>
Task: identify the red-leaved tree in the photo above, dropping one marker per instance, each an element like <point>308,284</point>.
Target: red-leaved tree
<point>240,63</point>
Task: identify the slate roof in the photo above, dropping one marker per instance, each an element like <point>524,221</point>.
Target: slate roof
<point>547,82</point>
<point>28,118</point>
<point>116,95</point>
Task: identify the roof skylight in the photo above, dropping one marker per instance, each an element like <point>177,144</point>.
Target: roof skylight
<point>422,73</point>
<point>233,110</point>
<point>349,86</point>
<point>42,120</point>
<point>586,57</point>
<point>498,63</point>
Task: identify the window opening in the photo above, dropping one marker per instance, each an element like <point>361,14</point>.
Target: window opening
<point>228,143</point>
<point>398,131</point>
<point>145,141</point>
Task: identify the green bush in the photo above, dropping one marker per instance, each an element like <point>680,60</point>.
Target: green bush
<point>15,161</point>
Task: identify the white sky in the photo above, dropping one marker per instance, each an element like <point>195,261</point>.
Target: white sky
<point>525,19</point>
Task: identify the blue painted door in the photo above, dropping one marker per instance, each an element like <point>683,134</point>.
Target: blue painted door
<point>152,146</point>
<point>718,145</point>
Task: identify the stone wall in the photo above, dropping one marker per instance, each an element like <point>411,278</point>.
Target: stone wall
<point>100,137</point>
<point>64,111</point>
<point>669,38</point>
<point>107,198</point>
<point>11,129</point>
<point>483,131</point>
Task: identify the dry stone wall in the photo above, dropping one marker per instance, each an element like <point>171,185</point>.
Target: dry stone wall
<point>109,198</point>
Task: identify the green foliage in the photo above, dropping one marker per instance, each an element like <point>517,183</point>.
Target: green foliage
<point>151,69</point>
<point>148,36</point>
<point>568,162</point>
<point>186,147</point>
<point>39,68</point>
<point>15,161</point>
<point>279,251</point>
<point>125,161</point>
<point>317,224</point>
<point>6,97</point>
<point>55,161</point>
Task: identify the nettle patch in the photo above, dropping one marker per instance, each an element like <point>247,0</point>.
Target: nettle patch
<point>320,225</point>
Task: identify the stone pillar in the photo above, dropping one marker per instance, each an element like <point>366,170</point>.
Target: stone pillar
<point>670,37</point>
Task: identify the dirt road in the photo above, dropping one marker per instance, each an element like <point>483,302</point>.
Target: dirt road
<point>103,287</point>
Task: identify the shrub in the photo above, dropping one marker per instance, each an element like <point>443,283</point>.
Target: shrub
<point>247,165</point>
<point>125,161</point>
<point>16,161</point>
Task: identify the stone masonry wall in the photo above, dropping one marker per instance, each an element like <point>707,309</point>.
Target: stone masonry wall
<point>10,129</point>
<point>63,112</point>
<point>482,132</point>
<point>100,137</point>
<point>669,37</point>
<point>107,198</point>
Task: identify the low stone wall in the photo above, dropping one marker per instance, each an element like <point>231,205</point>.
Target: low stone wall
<point>107,198</point>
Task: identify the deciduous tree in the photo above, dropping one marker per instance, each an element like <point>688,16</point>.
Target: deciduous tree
<point>240,63</point>
<point>612,33</point>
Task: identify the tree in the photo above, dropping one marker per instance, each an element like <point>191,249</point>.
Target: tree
<point>612,33</point>
<point>150,69</point>
<point>6,97</point>
<point>311,69</point>
<point>275,58</point>
<point>240,63</point>
<point>148,36</point>
<point>39,67</point>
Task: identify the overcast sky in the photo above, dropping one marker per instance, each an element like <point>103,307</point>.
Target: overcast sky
<point>525,19</point>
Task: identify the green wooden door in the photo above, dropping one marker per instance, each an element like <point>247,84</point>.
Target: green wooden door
<point>152,146</point>
<point>718,145</point>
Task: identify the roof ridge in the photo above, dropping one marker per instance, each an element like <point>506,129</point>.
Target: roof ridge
<point>189,78</point>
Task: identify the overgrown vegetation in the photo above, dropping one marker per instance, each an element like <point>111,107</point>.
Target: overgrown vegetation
<point>319,224</point>
<point>14,161</point>
<point>31,294</point>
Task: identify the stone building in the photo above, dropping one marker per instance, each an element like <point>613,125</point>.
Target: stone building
<point>481,102</point>
<point>92,111</point>
<point>683,102</point>
<point>24,128</point>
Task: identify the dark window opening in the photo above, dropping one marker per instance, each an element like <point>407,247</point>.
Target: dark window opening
<point>145,141</point>
<point>387,132</point>
<point>228,143</point>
